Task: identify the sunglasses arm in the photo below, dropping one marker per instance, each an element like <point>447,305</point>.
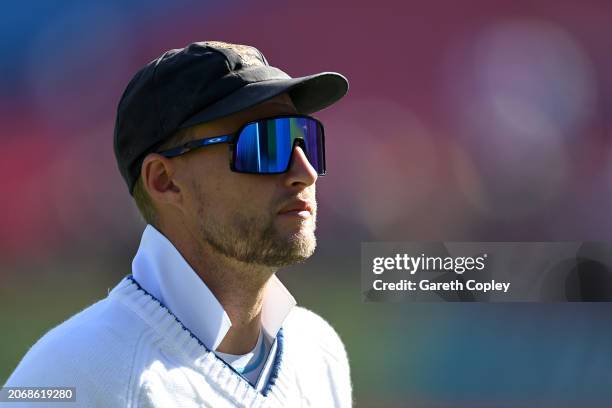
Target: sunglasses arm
<point>194,144</point>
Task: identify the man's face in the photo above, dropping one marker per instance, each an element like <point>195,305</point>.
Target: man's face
<point>242,215</point>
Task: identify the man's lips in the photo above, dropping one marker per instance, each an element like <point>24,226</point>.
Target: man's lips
<point>297,207</point>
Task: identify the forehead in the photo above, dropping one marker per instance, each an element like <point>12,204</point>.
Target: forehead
<point>279,105</point>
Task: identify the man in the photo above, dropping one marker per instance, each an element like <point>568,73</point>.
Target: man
<point>221,159</point>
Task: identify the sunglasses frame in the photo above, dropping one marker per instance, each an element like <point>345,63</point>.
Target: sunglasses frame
<point>232,140</point>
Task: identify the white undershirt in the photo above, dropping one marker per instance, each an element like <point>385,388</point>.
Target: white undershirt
<point>251,365</point>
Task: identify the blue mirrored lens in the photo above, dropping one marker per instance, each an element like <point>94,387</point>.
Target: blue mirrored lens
<point>266,146</point>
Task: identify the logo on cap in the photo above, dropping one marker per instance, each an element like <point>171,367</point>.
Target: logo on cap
<point>249,56</point>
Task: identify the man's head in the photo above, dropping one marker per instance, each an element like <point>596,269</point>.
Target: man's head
<point>239,215</point>
<point>209,89</point>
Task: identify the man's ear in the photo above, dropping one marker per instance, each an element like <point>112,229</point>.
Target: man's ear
<point>158,176</point>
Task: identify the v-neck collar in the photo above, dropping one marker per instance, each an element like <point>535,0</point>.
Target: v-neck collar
<point>171,329</point>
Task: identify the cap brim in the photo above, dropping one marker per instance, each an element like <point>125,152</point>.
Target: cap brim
<point>309,94</point>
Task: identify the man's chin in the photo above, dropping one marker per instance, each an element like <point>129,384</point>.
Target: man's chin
<point>295,249</point>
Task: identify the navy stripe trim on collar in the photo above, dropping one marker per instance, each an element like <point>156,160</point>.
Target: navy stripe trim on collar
<point>277,358</point>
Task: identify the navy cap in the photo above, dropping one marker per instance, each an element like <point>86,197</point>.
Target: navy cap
<point>202,82</point>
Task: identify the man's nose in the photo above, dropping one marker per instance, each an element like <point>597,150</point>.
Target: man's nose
<point>300,170</point>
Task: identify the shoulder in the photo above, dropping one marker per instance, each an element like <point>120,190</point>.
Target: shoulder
<point>91,350</point>
<point>304,319</point>
<point>101,327</point>
<point>307,327</point>
<point>314,345</point>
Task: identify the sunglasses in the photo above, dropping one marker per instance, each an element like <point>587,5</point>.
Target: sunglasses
<point>265,146</point>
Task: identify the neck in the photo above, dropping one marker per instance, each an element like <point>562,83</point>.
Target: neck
<point>238,286</point>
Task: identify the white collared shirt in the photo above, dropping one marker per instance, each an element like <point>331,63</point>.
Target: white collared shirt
<point>163,272</point>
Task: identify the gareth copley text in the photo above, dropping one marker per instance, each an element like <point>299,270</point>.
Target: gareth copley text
<point>427,285</point>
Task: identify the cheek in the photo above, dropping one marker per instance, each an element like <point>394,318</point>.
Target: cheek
<point>220,199</point>
<point>251,195</point>
<point>222,193</point>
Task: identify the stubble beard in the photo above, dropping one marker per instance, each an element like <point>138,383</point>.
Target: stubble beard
<point>256,240</point>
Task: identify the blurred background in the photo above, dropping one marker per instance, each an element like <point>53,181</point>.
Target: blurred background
<point>475,120</point>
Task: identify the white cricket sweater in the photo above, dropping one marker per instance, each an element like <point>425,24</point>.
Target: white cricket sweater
<point>127,350</point>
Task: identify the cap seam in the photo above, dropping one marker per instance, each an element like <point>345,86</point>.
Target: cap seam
<point>159,120</point>
<point>227,65</point>
<point>224,57</point>
<point>263,59</point>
